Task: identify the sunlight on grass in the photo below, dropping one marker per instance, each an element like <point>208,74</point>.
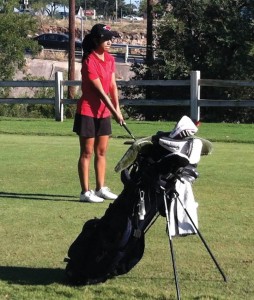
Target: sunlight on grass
<point>41,216</point>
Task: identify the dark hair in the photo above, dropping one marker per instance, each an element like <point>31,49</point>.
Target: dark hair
<point>88,45</point>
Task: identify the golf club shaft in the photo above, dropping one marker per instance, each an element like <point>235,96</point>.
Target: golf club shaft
<point>127,129</point>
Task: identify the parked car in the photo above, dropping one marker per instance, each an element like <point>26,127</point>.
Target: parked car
<point>133,18</point>
<point>137,18</point>
<point>56,41</point>
<point>25,11</point>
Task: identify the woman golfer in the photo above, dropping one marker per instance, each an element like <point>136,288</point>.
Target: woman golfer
<point>98,102</point>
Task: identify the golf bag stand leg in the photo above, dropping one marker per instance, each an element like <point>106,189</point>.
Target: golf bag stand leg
<point>171,245</point>
<point>202,239</point>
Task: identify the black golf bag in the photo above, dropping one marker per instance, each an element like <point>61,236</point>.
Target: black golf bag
<point>151,171</point>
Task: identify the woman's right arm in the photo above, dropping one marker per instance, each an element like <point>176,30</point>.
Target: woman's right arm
<point>96,83</point>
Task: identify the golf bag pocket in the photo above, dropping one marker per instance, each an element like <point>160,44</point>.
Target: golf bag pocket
<point>180,223</point>
<point>106,247</point>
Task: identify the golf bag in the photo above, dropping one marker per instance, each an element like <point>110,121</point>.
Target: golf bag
<point>153,169</point>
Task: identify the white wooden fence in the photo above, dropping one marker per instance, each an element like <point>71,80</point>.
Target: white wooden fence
<point>194,102</point>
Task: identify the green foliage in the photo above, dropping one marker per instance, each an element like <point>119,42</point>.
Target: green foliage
<point>27,110</point>
<point>31,110</point>
<point>143,6</point>
<point>14,41</point>
<point>35,110</point>
<point>215,37</point>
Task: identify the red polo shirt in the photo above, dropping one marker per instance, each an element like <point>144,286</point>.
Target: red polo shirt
<point>92,68</point>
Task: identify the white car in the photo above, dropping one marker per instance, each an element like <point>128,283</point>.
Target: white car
<point>136,18</point>
<point>133,18</point>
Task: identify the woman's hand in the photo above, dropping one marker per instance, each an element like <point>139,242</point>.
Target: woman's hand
<point>119,118</point>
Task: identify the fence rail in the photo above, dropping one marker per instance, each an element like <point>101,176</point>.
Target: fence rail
<point>194,102</point>
<point>126,51</point>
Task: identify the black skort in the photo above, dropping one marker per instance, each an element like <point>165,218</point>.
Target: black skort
<point>91,127</point>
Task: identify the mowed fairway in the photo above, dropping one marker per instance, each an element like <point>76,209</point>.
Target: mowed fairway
<point>40,216</point>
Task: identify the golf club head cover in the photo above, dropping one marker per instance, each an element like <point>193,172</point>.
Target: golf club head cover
<point>184,128</point>
<point>188,148</point>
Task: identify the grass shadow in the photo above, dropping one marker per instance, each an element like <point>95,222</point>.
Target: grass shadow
<point>43,197</point>
<point>31,276</point>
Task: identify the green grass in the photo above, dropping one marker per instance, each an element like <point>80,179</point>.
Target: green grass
<point>41,216</point>
<point>225,132</point>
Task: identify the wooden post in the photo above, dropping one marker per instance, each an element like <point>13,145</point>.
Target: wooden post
<point>58,97</point>
<point>195,96</point>
<point>149,30</point>
<point>71,70</point>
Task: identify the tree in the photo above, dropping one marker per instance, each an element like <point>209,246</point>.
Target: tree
<point>213,36</point>
<point>14,41</point>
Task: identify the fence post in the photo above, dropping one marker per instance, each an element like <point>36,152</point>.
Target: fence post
<point>58,97</point>
<point>126,53</point>
<point>195,95</point>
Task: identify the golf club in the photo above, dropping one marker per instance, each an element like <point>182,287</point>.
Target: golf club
<point>127,129</point>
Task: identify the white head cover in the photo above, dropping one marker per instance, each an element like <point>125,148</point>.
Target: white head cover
<point>188,148</point>
<point>185,127</point>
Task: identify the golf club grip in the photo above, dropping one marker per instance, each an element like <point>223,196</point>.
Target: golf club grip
<point>127,129</point>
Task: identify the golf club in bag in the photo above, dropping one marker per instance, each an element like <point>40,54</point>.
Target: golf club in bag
<point>157,173</point>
